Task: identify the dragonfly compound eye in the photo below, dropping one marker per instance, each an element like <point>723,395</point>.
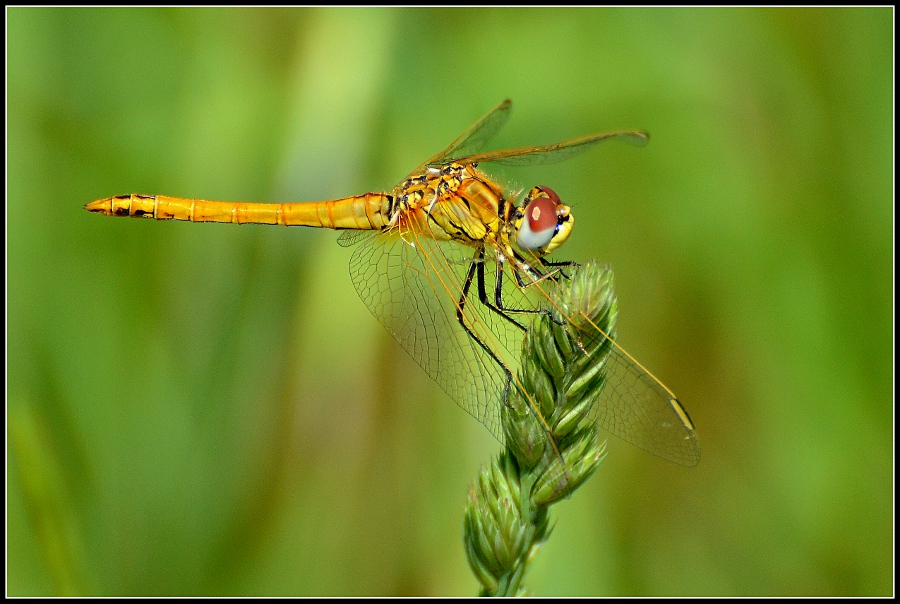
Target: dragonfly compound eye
<point>546,222</point>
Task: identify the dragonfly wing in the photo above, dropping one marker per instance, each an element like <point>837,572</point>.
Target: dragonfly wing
<point>413,285</point>
<point>475,137</point>
<point>630,402</point>
<point>352,237</point>
<point>546,154</point>
<point>636,407</point>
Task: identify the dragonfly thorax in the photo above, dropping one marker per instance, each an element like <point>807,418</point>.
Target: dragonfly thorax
<point>456,202</point>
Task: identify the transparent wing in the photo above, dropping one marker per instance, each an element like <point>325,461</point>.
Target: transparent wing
<point>636,407</point>
<point>475,137</point>
<point>546,154</point>
<point>630,402</point>
<point>352,237</point>
<point>413,285</point>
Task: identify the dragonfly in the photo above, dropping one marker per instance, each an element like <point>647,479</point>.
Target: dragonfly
<point>451,264</point>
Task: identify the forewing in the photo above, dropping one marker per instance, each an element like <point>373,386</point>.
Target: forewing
<point>475,137</point>
<point>629,401</point>
<point>636,407</point>
<point>546,154</point>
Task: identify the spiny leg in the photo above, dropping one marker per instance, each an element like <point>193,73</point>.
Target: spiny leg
<point>478,261</point>
<point>460,307</point>
<point>482,291</point>
<point>499,306</point>
<point>521,265</point>
<point>558,265</point>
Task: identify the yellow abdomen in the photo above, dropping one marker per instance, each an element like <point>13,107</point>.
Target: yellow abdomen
<point>362,212</point>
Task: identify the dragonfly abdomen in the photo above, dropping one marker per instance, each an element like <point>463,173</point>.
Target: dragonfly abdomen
<point>362,212</point>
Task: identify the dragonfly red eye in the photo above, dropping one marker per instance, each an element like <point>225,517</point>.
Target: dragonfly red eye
<point>550,193</point>
<point>541,219</point>
<point>541,215</point>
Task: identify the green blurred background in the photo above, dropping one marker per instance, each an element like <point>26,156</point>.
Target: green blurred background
<point>210,409</point>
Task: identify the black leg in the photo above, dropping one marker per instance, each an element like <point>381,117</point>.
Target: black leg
<point>478,265</point>
<point>535,274</point>
<point>479,262</point>
<point>559,265</point>
<point>482,294</point>
<point>498,295</point>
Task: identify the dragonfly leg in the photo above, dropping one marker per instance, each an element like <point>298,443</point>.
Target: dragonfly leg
<point>478,265</point>
<point>535,276</point>
<point>482,292</point>
<point>498,296</point>
<point>558,265</point>
<point>460,307</point>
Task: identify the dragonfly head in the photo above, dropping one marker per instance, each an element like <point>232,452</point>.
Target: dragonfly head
<point>543,222</point>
